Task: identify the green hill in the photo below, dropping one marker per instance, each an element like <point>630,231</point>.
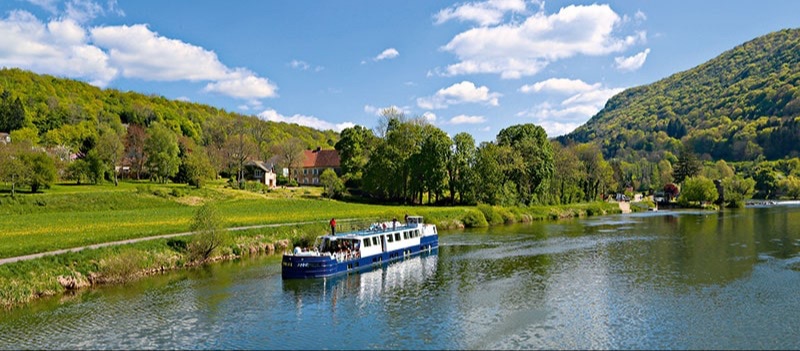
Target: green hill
<point>53,106</point>
<point>737,106</point>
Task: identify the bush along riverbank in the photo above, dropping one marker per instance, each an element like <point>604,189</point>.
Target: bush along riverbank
<point>25,281</point>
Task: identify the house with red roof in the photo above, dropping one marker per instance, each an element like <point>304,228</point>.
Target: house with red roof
<point>315,162</point>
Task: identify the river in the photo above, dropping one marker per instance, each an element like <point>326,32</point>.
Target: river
<point>657,280</point>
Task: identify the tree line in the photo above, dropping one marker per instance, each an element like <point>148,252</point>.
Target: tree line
<point>407,160</point>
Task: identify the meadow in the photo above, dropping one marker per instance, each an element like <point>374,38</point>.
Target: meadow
<point>68,216</point>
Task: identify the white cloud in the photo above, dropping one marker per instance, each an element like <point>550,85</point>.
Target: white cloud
<point>640,16</point>
<point>632,63</point>
<point>554,129</point>
<point>464,119</point>
<point>458,93</point>
<point>142,53</point>
<point>559,85</point>
<point>387,54</point>
<point>429,116</point>
<point>521,49</point>
<point>133,49</point>
<point>308,121</point>
<point>243,84</point>
<point>83,11</point>
<point>304,66</point>
<point>59,47</point>
<point>378,110</point>
<point>483,13</point>
<point>183,98</point>
<point>571,112</point>
<point>48,5</point>
<point>64,47</point>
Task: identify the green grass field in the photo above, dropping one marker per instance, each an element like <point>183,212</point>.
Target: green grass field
<point>69,216</point>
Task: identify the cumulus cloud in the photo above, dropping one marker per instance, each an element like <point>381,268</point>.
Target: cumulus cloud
<point>513,50</point>
<point>377,111</point>
<point>483,13</point>
<point>632,63</point>
<point>387,54</point>
<point>430,117</point>
<point>243,84</point>
<point>559,85</point>
<point>572,111</point>
<point>59,47</point>
<point>464,92</point>
<point>308,121</point>
<point>64,47</point>
<point>464,119</point>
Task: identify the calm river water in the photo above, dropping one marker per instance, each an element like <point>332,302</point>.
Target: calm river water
<point>662,280</point>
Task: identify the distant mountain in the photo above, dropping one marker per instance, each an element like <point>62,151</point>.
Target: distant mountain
<point>49,104</point>
<point>737,106</point>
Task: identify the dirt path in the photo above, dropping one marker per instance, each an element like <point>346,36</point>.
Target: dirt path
<point>129,241</point>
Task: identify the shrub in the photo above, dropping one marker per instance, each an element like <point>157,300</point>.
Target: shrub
<point>121,267</point>
<point>507,215</point>
<point>474,219</point>
<point>209,234</point>
<point>490,215</point>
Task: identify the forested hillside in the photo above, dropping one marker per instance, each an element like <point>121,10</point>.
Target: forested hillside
<point>737,106</point>
<point>59,110</point>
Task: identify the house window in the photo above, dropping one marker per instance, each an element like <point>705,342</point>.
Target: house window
<point>305,171</point>
<point>257,173</point>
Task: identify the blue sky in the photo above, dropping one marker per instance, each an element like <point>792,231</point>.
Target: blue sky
<point>472,66</point>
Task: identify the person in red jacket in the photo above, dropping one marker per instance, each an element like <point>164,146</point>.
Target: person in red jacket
<point>333,226</point>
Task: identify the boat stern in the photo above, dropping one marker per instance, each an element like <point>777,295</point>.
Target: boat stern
<point>307,266</point>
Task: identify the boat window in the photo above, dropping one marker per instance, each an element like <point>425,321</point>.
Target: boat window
<point>397,236</point>
<point>374,240</point>
<point>389,238</point>
<point>416,233</point>
<point>405,235</point>
<point>366,242</point>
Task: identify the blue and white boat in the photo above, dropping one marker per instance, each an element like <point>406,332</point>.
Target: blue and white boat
<point>357,250</point>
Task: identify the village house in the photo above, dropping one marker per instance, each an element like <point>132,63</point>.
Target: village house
<point>262,172</point>
<point>316,161</point>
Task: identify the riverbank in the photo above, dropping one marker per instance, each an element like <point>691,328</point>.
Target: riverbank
<point>26,281</point>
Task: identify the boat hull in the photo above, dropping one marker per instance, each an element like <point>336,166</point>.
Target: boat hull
<point>305,267</point>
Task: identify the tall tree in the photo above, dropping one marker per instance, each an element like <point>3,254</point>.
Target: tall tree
<point>489,171</point>
<point>434,152</point>
<point>239,148</point>
<point>162,152</point>
<point>134,148</point>
<point>597,172</point>
<point>460,168</point>
<point>565,186</point>
<point>13,169</point>
<point>291,154</point>
<point>688,166</point>
<point>110,149</point>
<point>354,147</point>
<point>530,142</point>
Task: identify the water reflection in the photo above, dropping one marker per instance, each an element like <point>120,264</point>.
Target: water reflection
<point>676,280</point>
<point>366,286</point>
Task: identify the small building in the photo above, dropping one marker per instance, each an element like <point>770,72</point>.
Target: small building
<point>316,161</point>
<point>5,138</point>
<point>262,172</point>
